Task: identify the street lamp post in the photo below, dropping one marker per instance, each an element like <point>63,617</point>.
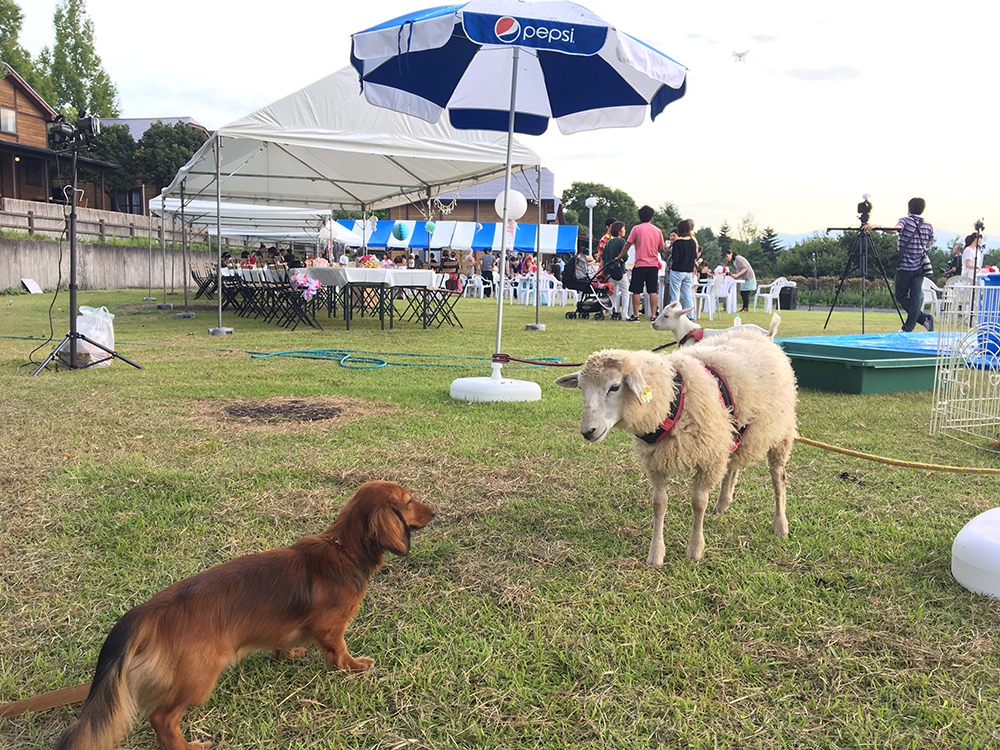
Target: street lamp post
<point>590,203</point>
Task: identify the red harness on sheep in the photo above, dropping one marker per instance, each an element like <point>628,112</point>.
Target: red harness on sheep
<point>678,404</point>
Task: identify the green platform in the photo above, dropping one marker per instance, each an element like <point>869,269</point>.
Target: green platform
<point>853,369</point>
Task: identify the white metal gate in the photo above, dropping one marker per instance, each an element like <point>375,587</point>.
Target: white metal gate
<point>966,403</point>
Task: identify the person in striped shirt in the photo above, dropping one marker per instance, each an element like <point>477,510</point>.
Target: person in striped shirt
<point>914,236</point>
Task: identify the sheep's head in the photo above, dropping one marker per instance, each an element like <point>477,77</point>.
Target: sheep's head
<point>608,381</point>
<point>670,320</point>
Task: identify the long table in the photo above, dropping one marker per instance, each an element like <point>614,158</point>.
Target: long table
<point>344,279</point>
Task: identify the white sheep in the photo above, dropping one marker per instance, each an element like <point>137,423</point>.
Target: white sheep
<point>639,392</point>
<point>686,331</point>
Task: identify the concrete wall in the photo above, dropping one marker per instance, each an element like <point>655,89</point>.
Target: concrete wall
<point>98,266</point>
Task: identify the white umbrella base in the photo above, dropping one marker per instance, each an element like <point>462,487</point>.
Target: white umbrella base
<point>495,388</point>
<point>975,555</point>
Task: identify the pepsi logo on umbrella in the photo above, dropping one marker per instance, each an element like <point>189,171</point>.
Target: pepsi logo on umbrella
<point>574,38</point>
<point>507,29</point>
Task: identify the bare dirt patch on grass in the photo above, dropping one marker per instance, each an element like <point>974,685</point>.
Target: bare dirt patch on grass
<point>286,411</point>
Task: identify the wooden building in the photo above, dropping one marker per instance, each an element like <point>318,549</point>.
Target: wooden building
<point>25,156</point>
<point>476,203</point>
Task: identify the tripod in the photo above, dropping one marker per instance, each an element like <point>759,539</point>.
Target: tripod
<point>74,336</point>
<point>859,254</point>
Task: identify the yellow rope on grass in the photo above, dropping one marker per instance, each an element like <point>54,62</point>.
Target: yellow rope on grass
<point>894,462</point>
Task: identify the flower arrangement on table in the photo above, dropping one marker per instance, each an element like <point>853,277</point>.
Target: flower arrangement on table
<point>309,286</point>
<point>369,261</point>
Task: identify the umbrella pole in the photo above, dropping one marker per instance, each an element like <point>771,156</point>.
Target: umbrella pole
<point>506,199</point>
<point>538,245</point>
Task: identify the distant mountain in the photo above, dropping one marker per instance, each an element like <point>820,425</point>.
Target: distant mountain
<point>942,238</point>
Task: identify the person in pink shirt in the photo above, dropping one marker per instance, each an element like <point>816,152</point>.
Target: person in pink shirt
<point>648,242</point>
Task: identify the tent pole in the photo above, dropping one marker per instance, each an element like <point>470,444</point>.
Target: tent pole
<point>163,253</point>
<point>219,331</point>
<point>506,197</point>
<point>149,235</point>
<point>184,255</point>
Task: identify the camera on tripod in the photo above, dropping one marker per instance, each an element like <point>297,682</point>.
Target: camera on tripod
<point>979,226</point>
<point>865,208</point>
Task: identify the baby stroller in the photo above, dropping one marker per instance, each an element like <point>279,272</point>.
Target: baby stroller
<point>595,295</point>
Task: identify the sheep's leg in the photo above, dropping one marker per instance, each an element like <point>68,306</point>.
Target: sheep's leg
<point>777,457</point>
<point>656,547</point>
<point>726,491</point>
<point>699,503</point>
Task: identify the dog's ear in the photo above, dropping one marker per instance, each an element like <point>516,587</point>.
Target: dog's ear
<point>569,381</point>
<point>388,529</point>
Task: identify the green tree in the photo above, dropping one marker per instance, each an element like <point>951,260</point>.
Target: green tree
<point>115,145</point>
<point>610,202</point>
<point>34,72</point>
<point>748,231</point>
<point>770,247</point>
<point>725,240</point>
<point>164,149</point>
<point>667,217</point>
<point>832,254</point>
<point>79,80</point>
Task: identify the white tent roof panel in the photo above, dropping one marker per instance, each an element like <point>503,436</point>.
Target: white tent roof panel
<point>324,145</point>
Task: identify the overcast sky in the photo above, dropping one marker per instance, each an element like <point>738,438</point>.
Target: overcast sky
<point>831,101</point>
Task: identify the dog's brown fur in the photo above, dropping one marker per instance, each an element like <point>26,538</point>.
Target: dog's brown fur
<point>167,654</point>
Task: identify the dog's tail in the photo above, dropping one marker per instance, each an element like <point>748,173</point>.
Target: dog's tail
<point>111,705</point>
<point>773,330</point>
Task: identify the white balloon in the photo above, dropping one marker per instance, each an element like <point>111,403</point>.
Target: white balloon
<point>517,204</point>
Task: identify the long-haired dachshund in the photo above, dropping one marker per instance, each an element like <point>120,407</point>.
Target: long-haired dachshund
<point>167,654</point>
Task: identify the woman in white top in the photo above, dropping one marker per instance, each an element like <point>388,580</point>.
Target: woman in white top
<point>972,257</point>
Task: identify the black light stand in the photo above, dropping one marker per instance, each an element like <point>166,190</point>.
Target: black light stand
<point>68,134</point>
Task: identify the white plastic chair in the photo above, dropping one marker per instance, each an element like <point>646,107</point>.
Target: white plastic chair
<point>474,286</point>
<point>549,289</point>
<point>769,293</point>
<point>706,297</point>
<point>932,297</point>
<point>727,291</point>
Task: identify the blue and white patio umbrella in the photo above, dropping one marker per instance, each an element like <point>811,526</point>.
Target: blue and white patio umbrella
<point>514,65</point>
<point>573,67</point>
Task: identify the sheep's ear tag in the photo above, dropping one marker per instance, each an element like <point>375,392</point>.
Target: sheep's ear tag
<point>646,396</point>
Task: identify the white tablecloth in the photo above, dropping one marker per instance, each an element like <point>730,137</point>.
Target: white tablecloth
<point>344,275</point>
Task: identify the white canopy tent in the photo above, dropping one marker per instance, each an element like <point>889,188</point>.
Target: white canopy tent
<point>244,220</point>
<point>241,216</point>
<point>325,146</point>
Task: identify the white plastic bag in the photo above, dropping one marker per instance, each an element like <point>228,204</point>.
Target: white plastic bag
<point>97,324</point>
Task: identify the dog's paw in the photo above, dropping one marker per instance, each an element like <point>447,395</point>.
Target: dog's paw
<point>288,653</point>
<point>362,663</point>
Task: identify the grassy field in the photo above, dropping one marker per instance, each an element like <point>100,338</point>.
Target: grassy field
<point>525,616</point>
